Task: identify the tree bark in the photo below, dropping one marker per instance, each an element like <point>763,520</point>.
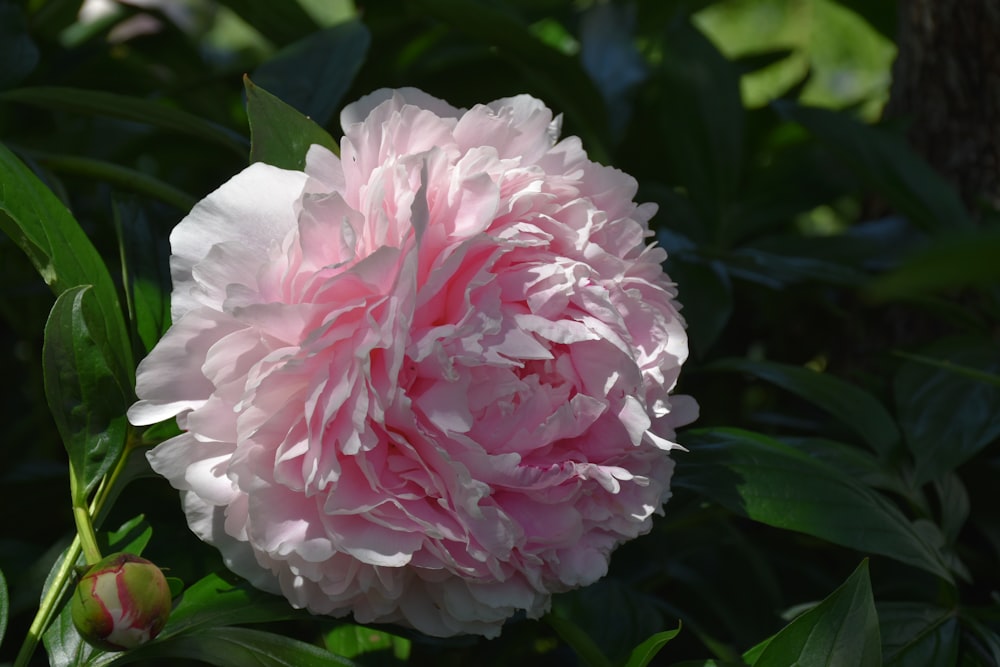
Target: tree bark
<point>946,84</point>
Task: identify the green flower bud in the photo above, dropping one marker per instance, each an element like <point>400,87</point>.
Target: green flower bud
<point>121,602</point>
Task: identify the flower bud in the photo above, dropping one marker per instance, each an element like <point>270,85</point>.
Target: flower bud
<point>121,602</point>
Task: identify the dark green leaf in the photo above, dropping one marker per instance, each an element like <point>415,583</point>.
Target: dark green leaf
<point>953,498</point>
<point>18,52</point>
<point>950,262</point>
<point>218,600</point>
<point>54,242</point>
<point>129,179</point>
<point>235,647</point>
<point>578,640</point>
<point>915,633</point>
<point>281,136</point>
<point>280,22</point>
<point>351,640</point>
<point>146,274</point>
<point>841,630</point>
<point>313,73</point>
<point>880,15</point>
<point>559,76</point>
<point>886,164</point>
<point>757,61</point>
<point>853,406</point>
<point>702,120</point>
<point>706,315</point>
<point>86,399</point>
<point>946,416</point>
<point>644,653</point>
<point>130,108</point>
<point>768,481</point>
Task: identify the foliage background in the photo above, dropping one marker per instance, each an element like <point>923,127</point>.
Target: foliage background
<point>842,306</point>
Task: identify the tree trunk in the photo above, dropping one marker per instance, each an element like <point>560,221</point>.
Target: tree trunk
<point>946,83</point>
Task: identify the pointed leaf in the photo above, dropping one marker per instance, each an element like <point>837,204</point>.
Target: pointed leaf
<point>86,399</point>
<point>224,599</point>
<point>54,242</point>
<point>918,634</point>
<point>886,164</point>
<point>130,108</point>
<point>280,135</point>
<point>280,22</point>
<point>853,406</point>
<point>703,120</point>
<point>768,481</point>
<point>841,630</point>
<point>937,405</point>
<point>644,653</point>
<point>351,640</point>
<point>235,647</point>
<point>332,56</point>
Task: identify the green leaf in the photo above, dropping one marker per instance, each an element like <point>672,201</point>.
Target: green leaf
<point>235,647</point>
<point>578,640</point>
<point>561,77</point>
<point>644,653</point>
<point>950,262</point>
<point>126,107</point>
<point>702,118</point>
<point>4,606</point>
<point>886,164</point>
<point>332,56</point>
<point>146,273</point>
<point>54,242</point>
<point>280,22</point>
<point>707,315</point>
<point>217,600</point>
<point>855,407</point>
<point>86,399</point>
<point>131,537</point>
<point>18,52</point>
<point>280,135</point>
<point>916,633</point>
<point>841,630</point>
<point>768,481</point>
<point>938,405</point>
<point>351,640</point>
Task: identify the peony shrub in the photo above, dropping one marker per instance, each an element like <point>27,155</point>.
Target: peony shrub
<point>425,382</point>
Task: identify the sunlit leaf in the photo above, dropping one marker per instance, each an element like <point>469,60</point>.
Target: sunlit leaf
<point>281,136</point>
<point>224,599</point>
<point>54,242</point>
<point>841,630</point>
<point>351,640</point>
<point>644,653</point>
<point>84,395</point>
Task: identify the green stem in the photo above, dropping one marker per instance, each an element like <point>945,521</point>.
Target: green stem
<point>47,607</point>
<point>85,541</point>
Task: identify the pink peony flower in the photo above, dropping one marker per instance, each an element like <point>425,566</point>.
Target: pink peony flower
<point>426,382</point>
